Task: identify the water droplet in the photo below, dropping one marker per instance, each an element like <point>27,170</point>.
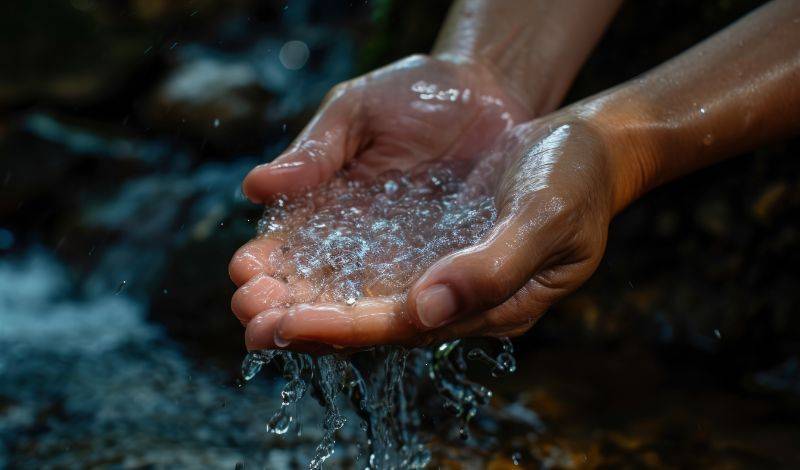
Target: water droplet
<point>390,187</point>
<point>120,287</point>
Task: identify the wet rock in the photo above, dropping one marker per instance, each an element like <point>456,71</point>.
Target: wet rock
<point>51,163</point>
<point>247,94</point>
<point>211,98</point>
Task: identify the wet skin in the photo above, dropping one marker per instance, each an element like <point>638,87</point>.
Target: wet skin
<point>381,121</point>
<point>558,182</point>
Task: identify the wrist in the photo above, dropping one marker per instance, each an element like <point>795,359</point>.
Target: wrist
<point>512,83</point>
<point>631,144</point>
<point>534,47</point>
<point>534,82</point>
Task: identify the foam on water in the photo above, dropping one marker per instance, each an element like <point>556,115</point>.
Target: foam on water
<point>353,239</point>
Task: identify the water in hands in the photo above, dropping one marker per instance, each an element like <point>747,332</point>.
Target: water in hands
<point>355,239</point>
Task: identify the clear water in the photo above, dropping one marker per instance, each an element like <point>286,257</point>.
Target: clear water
<point>353,239</point>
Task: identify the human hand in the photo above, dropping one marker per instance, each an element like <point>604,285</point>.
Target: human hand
<point>553,187</point>
<point>417,110</point>
<point>410,113</point>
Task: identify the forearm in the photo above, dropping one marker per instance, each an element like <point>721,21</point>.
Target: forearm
<point>735,91</point>
<point>535,46</point>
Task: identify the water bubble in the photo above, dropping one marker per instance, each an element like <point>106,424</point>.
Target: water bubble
<point>279,423</point>
<point>294,55</point>
<point>390,187</point>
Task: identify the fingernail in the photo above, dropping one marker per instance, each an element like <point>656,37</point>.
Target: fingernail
<point>279,341</point>
<point>263,322</point>
<point>436,306</point>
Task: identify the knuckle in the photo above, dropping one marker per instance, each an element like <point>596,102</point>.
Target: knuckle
<point>522,310</point>
<point>493,285</point>
<point>418,58</point>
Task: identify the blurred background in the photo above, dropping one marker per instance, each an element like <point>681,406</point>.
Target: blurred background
<point>125,129</point>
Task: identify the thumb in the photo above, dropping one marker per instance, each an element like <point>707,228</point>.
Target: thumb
<point>331,138</point>
<point>482,276</point>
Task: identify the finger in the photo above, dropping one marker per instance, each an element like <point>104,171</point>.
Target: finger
<point>366,323</point>
<point>260,334</point>
<point>482,276</point>
<point>522,310</point>
<point>331,139</point>
<point>260,293</point>
<point>261,255</point>
<point>511,318</point>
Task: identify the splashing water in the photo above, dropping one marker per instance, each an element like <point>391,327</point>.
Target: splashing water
<point>353,239</point>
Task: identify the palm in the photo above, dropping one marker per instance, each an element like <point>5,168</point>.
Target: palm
<point>420,110</point>
<point>406,116</point>
<point>414,111</point>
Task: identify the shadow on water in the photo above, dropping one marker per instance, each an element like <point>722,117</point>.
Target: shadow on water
<point>119,208</point>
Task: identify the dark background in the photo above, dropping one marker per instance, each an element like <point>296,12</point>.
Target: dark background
<point>125,128</point>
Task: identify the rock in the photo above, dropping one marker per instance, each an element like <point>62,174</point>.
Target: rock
<point>64,51</point>
<point>211,98</point>
<point>768,203</point>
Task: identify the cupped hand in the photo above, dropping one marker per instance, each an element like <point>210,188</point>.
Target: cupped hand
<point>419,109</point>
<point>552,180</point>
<point>415,111</point>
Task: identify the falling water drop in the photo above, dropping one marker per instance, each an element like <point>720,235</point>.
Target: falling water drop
<point>120,287</point>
